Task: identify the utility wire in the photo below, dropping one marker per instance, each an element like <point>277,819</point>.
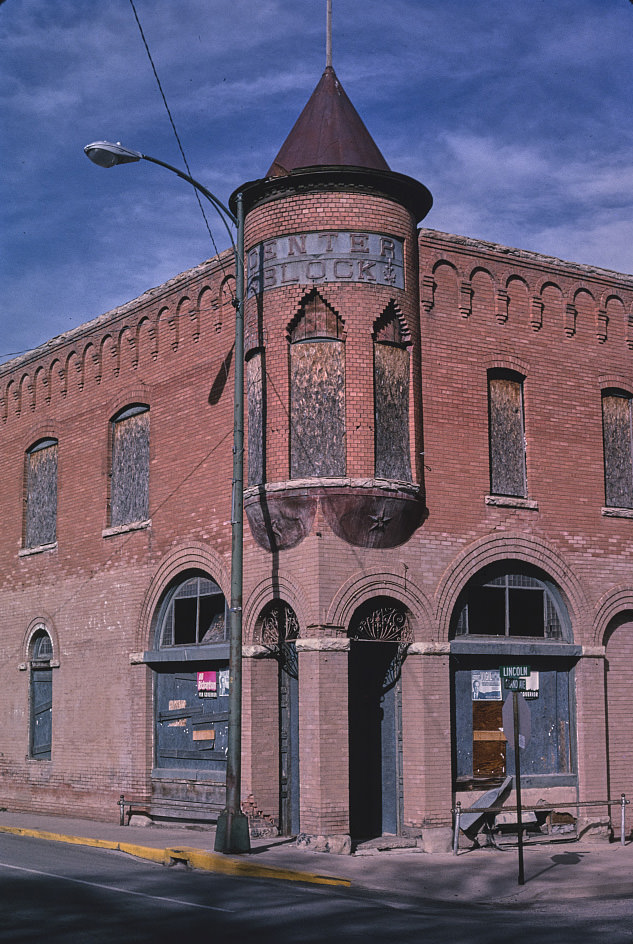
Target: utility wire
<point>177,136</point>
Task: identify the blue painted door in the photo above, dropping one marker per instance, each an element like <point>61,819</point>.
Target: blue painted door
<point>192,714</point>
<point>41,712</point>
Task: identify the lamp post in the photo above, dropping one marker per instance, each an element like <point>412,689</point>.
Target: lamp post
<point>232,831</point>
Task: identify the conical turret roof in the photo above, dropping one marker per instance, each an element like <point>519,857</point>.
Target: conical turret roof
<point>328,132</point>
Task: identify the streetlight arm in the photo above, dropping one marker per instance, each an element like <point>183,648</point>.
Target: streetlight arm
<point>203,190</point>
<point>107,154</point>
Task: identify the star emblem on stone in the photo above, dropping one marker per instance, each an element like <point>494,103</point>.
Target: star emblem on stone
<point>380,521</point>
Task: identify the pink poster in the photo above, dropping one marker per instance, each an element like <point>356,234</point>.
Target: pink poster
<point>207,684</point>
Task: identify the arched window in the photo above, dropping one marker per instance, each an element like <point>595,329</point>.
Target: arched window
<point>509,604</point>
<point>194,613</point>
<point>129,466</point>
<point>41,696</point>
<point>391,396</point>
<point>317,390</point>
<point>40,514</point>
<point>191,686</point>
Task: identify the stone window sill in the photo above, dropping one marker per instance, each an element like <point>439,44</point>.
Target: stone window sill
<point>508,501</point>
<point>125,528</point>
<point>40,549</point>
<point>617,512</point>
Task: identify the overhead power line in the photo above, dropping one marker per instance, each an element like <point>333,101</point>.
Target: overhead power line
<point>173,125</point>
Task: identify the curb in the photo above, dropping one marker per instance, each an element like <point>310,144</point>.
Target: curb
<point>194,858</point>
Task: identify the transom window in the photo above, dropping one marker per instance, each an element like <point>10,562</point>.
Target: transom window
<point>195,613</point>
<point>41,647</point>
<point>512,604</point>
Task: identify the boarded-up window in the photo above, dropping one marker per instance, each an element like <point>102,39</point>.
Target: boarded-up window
<point>506,434</point>
<point>41,494</point>
<point>489,743</point>
<point>256,426</point>
<point>391,399</point>
<point>618,448</point>
<point>317,391</point>
<point>129,489</point>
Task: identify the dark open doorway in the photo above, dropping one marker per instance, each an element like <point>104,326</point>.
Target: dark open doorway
<point>374,738</point>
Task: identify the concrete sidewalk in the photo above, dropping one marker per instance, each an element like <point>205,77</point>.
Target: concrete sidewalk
<point>553,871</point>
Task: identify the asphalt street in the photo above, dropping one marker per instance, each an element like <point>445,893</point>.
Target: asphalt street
<point>62,893</point>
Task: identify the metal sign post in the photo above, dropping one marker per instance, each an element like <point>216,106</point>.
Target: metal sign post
<point>517,769</point>
<point>517,729</point>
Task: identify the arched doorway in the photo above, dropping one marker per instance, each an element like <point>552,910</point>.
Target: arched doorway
<point>41,695</point>
<point>619,658</point>
<point>512,613</point>
<point>279,630</point>
<point>191,687</point>
<point>379,631</point>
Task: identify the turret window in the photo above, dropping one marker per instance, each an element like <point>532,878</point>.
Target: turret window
<point>391,396</point>
<point>317,390</point>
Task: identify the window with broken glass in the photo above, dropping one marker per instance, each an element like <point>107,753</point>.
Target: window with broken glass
<point>194,614</point>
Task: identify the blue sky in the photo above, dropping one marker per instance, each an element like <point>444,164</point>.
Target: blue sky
<point>517,116</point>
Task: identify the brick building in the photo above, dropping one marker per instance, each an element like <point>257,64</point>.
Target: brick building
<point>440,482</point>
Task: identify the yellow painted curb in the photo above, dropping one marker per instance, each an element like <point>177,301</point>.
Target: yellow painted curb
<point>59,837</point>
<point>211,862</point>
<point>196,858</point>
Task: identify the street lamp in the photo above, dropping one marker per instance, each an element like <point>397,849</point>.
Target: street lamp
<point>232,832</point>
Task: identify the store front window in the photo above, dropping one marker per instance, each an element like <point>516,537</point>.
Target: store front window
<point>512,615</point>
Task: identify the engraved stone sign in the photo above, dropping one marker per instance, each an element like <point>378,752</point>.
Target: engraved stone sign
<point>315,258</point>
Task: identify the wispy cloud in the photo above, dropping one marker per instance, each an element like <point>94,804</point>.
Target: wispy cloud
<point>517,116</point>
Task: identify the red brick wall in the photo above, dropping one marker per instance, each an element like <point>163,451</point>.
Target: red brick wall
<point>566,328</point>
<point>360,304</point>
<point>323,744</point>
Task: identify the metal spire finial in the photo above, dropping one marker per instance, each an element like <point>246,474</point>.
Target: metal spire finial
<point>328,39</point>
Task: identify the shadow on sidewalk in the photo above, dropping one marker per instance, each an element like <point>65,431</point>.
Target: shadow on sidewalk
<point>562,858</point>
